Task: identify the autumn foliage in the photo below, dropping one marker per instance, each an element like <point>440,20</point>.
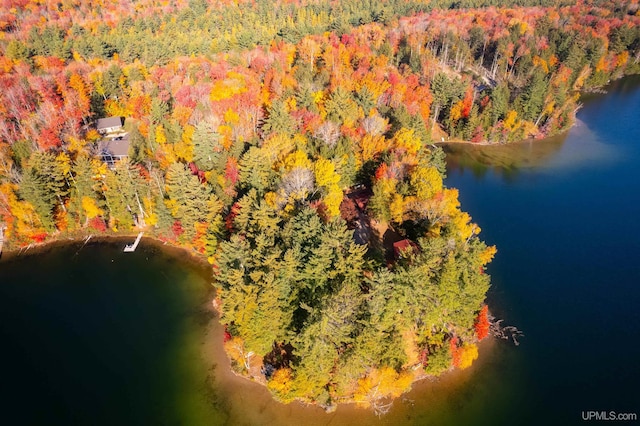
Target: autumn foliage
<point>462,355</point>
<point>482,323</point>
<point>97,224</point>
<point>279,144</point>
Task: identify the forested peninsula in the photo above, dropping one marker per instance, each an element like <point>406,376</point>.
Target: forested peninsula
<point>291,143</point>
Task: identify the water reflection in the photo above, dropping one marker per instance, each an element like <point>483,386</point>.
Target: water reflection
<point>577,148</point>
<point>503,160</point>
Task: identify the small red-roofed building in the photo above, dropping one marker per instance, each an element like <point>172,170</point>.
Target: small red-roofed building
<point>404,248</point>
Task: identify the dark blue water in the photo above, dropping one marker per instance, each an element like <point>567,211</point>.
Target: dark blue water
<point>565,215</point>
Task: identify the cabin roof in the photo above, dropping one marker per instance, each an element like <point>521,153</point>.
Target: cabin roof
<point>108,122</point>
<point>402,246</point>
<point>116,147</point>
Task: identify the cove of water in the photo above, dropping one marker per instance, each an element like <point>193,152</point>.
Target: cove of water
<point>93,336</point>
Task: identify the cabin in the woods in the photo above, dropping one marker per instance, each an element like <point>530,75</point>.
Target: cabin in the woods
<point>115,145</point>
<point>404,248</point>
<point>109,125</point>
<point>114,149</point>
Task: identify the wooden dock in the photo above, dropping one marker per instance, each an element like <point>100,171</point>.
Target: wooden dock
<point>132,247</point>
<point>2,228</point>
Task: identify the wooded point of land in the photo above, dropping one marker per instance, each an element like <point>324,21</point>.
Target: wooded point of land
<point>291,143</point>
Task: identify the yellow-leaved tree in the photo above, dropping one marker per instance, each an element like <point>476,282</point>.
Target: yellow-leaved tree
<point>325,173</point>
<point>184,148</point>
<point>487,255</point>
<point>510,122</point>
<point>468,353</point>
<point>406,139</point>
<point>332,200</point>
<point>396,208</point>
<point>277,147</point>
<point>327,179</point>
<point>380,384</point>
<point>297,159</point>
<point>371,146</point>
<point>427,181</point>
<point>90,207</point>
<point>149,207</point>
<point>281,384</point>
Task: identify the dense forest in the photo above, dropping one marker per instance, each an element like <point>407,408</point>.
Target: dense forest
<point>291,143</point>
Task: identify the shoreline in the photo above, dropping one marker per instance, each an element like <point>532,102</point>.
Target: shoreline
<point>596,91</point>
<point>239,390</point>
<point>90,239</point>
<point>213,354</point>
<point>488,143</point>
<point>212,351</point>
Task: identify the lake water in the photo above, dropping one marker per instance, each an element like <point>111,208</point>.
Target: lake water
<point>565,215</point>
<point>90,335</point>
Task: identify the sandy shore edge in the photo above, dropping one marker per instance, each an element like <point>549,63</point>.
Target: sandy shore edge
<point>213,353</point>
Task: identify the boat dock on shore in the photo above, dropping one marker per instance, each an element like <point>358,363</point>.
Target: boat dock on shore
<point>2,228</point>
<point>132,247</point>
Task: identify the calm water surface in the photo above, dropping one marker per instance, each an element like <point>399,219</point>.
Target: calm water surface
<point>91,335</point>
<point>94,336</point>
<point>565,215</point>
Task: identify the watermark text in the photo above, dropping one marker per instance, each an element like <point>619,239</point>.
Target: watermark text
<point>608,415</point>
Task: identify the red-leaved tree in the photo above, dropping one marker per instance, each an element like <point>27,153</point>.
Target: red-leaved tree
<point>482,323</point>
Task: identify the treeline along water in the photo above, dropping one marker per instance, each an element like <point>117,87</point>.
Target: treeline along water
<point>94,336</point>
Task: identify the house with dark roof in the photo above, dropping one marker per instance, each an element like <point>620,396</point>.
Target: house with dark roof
<point>114,149</point>
<point>109,125</point>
